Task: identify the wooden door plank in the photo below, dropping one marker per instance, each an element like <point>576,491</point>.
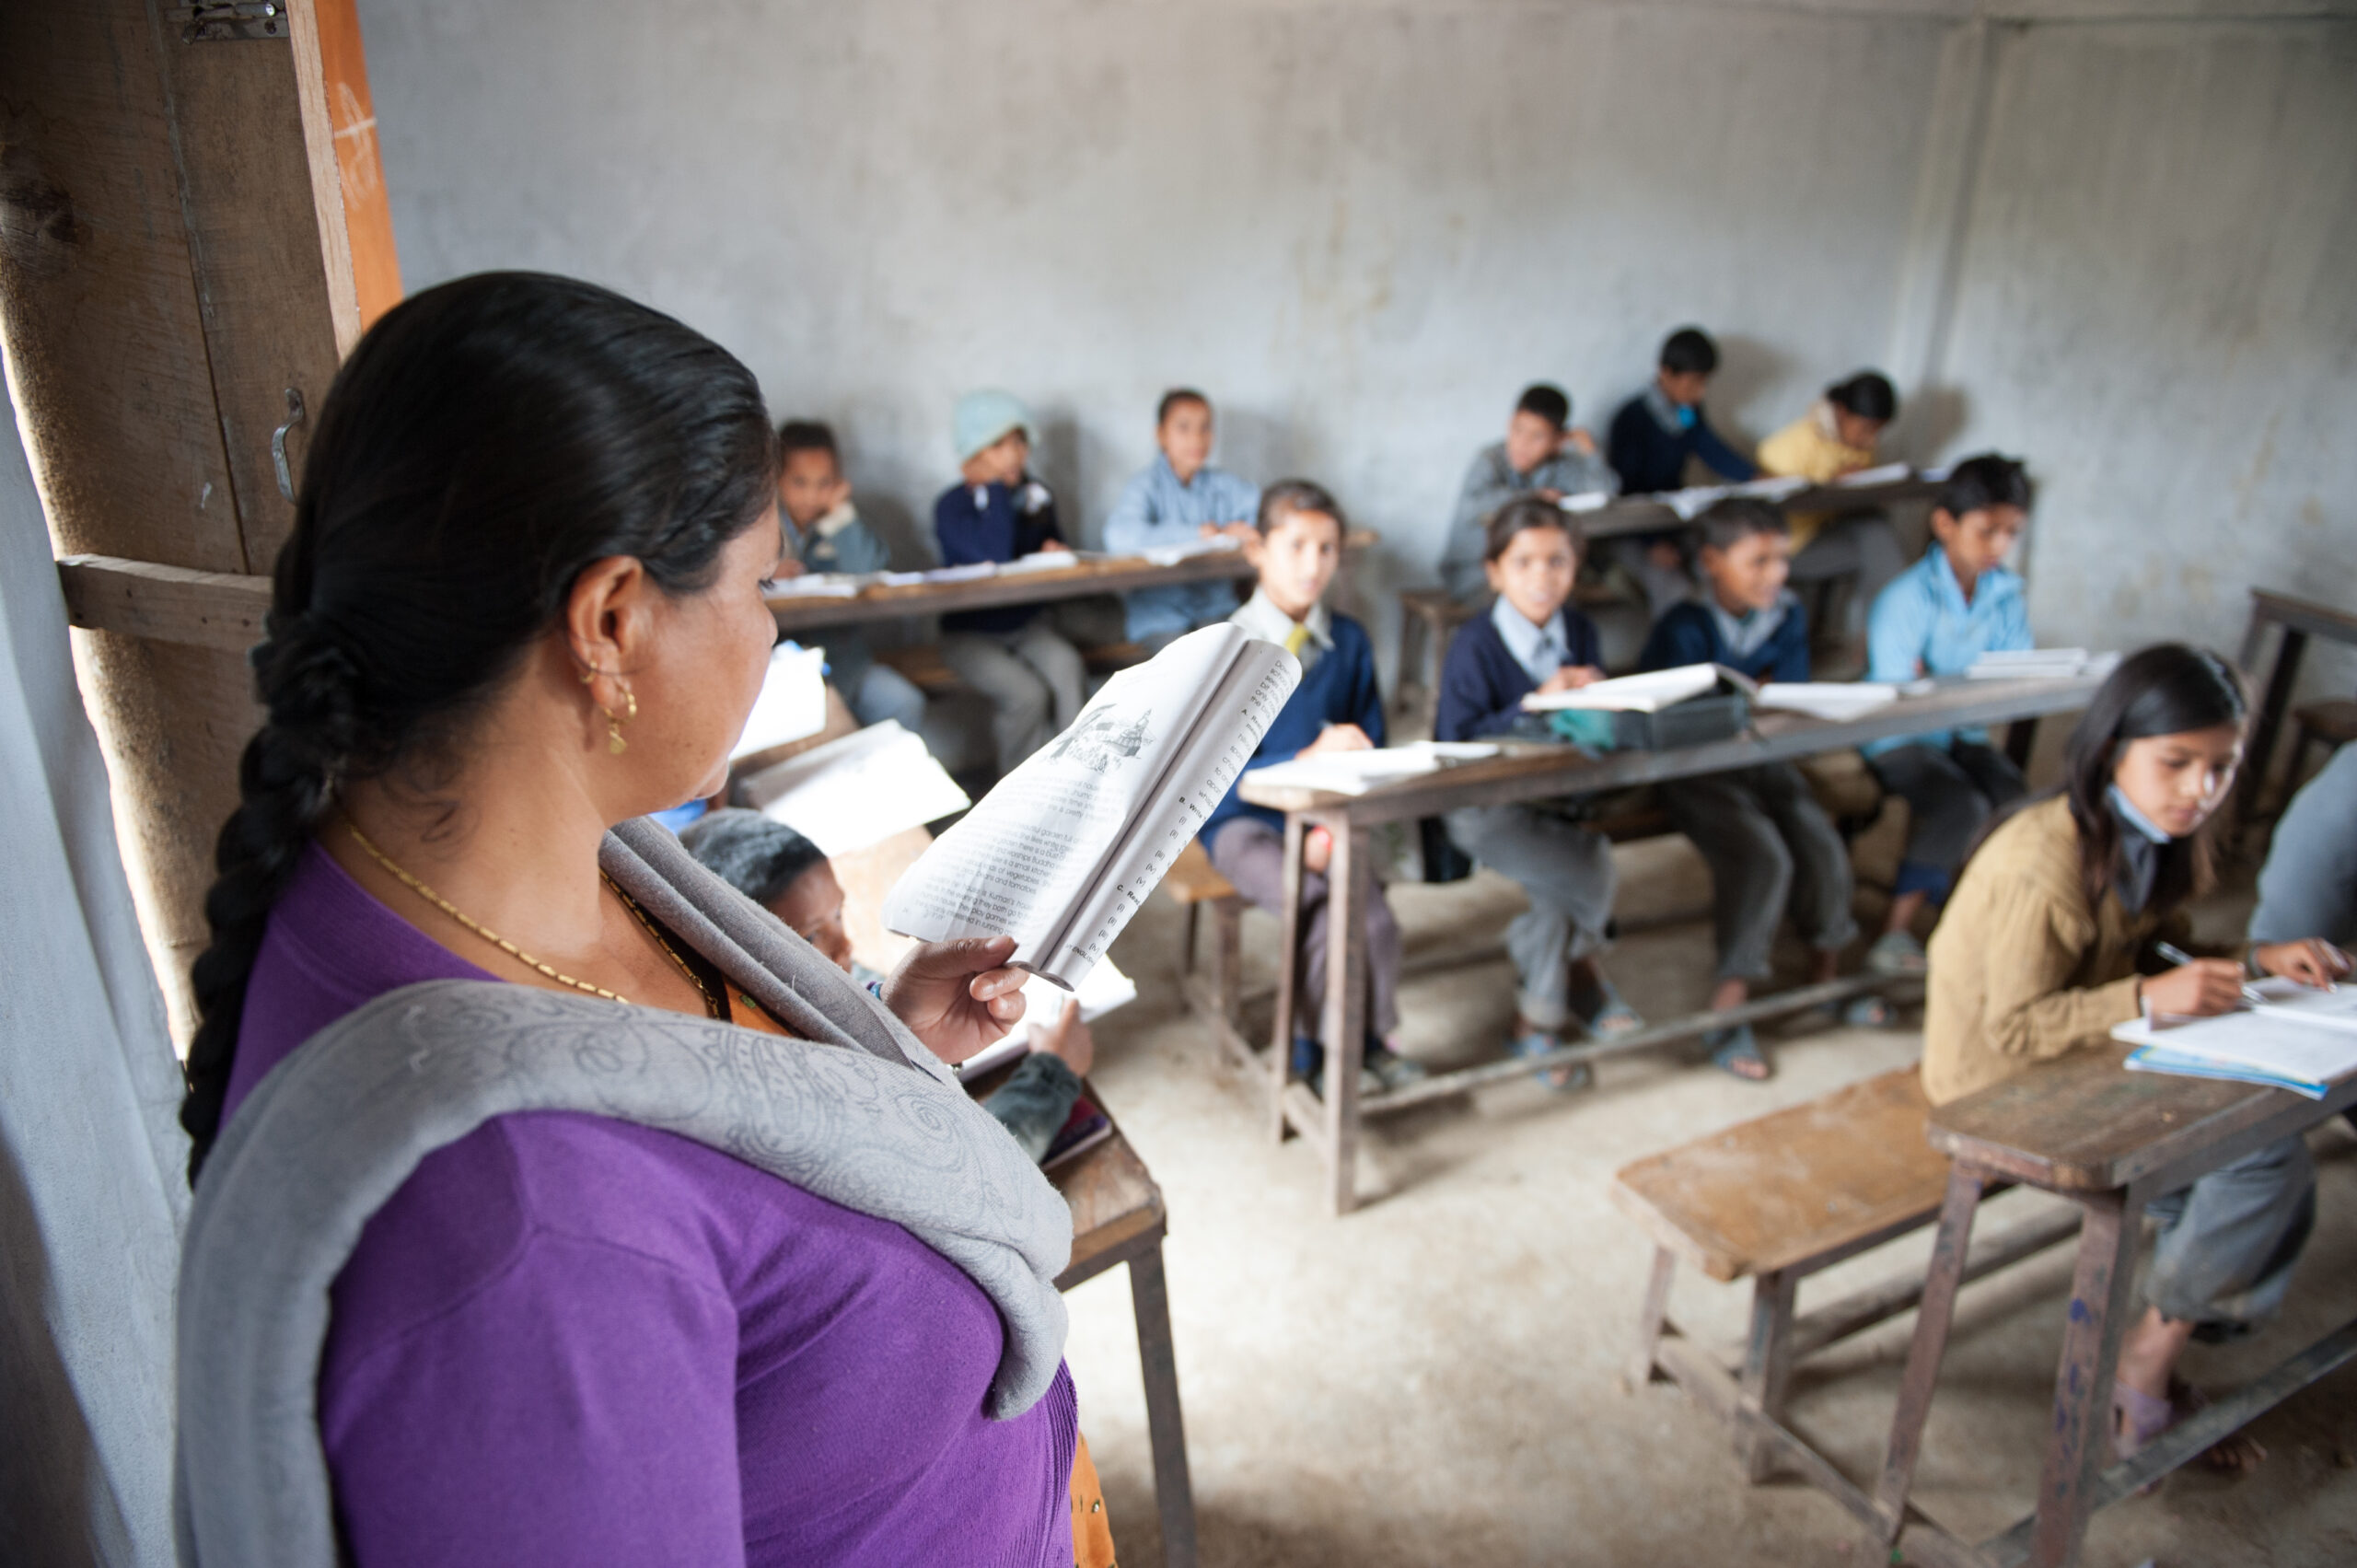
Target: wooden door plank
<point>165,604</point>
<point>359,163</point>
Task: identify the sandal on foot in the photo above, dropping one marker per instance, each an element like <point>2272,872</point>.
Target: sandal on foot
<point>1389,1068</point>
<point>1898,952</point>
<point>2139,1418</point>
<point>1858,1013</point>
<point>1565,1080</point>
<point>1733,1049</point>
<point>1613,1016</point>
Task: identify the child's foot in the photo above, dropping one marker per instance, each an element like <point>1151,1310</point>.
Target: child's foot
<point>2137,1418</point>
<point>1606,1014</point>
<point>1898,952</point>
<point>1858,1013</point>
<point>1565,1080</point>
<point>1387,1069</point>
<point>1737,1052</point>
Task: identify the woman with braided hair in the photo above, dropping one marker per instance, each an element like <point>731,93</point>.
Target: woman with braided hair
<point>556,1203</point>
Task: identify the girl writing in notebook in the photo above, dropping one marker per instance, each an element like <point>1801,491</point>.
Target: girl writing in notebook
<point>2051,939</point>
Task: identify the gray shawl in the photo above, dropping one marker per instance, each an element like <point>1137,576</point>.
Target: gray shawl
<point>862,1114</point>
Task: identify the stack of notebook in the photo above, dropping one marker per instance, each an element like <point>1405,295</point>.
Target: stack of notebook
<point>2287,1036</point>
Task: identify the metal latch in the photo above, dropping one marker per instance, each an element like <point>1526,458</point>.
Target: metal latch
<point>278,443</point>
<point>226,21</point>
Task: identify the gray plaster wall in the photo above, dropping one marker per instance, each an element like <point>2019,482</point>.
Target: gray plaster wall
<point>2105,240</point>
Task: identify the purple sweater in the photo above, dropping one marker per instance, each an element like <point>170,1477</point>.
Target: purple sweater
<point>572,1341</point>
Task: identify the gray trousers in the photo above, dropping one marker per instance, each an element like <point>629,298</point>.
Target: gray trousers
<point>1250,853</point>
<point>1769,846</point>
<point>1568,872</point>
<point>882,692</point>
<point>1950,793</point>
<point>1662,586</point>
<point>2228,1242</point>
<point>1031,677</point>
<point>1863,546</point>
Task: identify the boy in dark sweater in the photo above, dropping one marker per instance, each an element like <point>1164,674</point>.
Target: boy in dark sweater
<point>1768,844</point>
<point>1297,545</point>
<point>1651,438</point>
<point>1532,640</point>
<point>1011,654</point>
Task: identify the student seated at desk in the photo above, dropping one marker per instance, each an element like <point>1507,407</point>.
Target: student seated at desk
<point>1180,499</point>
<point>1011,654</point>
<point>1542,455</point>
<point>2048,943</point>
<point>1652,439</point>
<point>784,872</point>
<point>1958,602</point>
<point>1296,546</point>
<point>823,533</point>
<point>1768,843</point>
<point>1834,438</point>
<point>1532,640</point>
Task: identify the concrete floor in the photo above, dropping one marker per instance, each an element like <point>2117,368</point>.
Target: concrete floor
<point>1435,1378</point>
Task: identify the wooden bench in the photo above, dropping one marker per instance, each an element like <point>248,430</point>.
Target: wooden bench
<point>1779,1198</point>
<point>1212,993</point>
<point>1428,618</point>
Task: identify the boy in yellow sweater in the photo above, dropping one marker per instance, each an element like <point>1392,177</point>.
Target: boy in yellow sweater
<point>1834,438</point>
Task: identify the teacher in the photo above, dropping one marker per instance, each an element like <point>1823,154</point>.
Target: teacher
<point>507,1215</point>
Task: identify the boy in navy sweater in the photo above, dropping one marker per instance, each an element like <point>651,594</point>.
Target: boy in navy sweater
<point>1652,438</point>
<point>1532,640</point>
<point>1768,844</point>
<point>1297,545</point>
<point>1011,654</point>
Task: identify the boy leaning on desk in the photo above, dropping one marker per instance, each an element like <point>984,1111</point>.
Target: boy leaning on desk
<point>2061,929</point>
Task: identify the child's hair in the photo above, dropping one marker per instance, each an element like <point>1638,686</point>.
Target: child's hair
<point>2168,688</point>
<point>1689,350</point>
<point>804,435</point>
<point>1728,523</point>
<point>1868,395</point>
<point>1977,484</point>
<point>1520,515</point>
<point>1549,402</point>
<point>1172,399</point>
<point>758,856</point>
<point>1287,496</point>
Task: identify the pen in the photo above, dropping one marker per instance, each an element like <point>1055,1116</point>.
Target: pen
<point>2177,955</point>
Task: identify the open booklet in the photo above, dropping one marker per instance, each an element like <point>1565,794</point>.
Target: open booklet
<point>1658,688</point>
<point>1062,854</point>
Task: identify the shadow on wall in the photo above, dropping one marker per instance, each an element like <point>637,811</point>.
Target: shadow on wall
<point>55,1507</point>
<point>1746,367</point>
<point>1928,423</point>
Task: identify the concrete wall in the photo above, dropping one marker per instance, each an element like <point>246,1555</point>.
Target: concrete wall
<point>1363,223</point>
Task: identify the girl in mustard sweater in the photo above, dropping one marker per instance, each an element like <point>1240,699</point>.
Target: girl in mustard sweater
<point>2048,941</point>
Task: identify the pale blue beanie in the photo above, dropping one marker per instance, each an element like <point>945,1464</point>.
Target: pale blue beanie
<point>983,417</point>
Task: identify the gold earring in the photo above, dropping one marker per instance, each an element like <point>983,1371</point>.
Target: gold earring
<point>615,744</point>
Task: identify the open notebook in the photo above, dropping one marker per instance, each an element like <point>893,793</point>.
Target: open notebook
<point>1063,852</point>
<point>2292,1038</point>
<point>1659,689</point>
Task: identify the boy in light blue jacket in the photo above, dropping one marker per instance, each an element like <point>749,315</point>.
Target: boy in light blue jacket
<point>1180,499</point>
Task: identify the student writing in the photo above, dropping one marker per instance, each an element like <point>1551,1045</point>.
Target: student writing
<point>1769,846</point>
<point>1532,640</point>
<point>1296,547</point>
<point>1837,438</point>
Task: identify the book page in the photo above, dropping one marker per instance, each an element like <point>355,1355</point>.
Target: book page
<point>856,791</point>
<point>1646,693</point>
<point>1063,838</point>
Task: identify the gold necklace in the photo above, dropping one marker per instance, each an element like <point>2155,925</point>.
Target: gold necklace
<point>714,1006</point>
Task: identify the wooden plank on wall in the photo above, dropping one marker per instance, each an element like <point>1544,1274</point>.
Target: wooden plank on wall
<point>359,164</point>
<point>163,604</point>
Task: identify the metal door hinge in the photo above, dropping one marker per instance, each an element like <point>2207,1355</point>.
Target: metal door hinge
<point>226,21</point>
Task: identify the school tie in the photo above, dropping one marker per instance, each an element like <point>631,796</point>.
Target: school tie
<point>1295,639</point>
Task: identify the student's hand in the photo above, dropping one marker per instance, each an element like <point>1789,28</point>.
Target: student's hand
<point>1240,531</point>
<point>958,997</point>
<point>1053,547</point>
<point>838,494</point>
<point>788,566</point>
<point>1338,738</point>
<point>1549,495</point>
<point>1571,678</point>
<point>1067,1039</point>
<point>2202,989</point>
<point>2311,960</point>
<point>1665,555</point>
<point>1578,435</point>
<point>1317,851</point>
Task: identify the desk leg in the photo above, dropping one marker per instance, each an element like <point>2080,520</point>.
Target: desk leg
<point>1767,1368</point>
<point>2278,697</point>
<point>2081,1444</point>
<point>1173,1495</point>
<point>1288,964</point>
<point>1641,1364</point>
<point>2021,739</point>
<point>1933,1316</point>
<point>1347,884</point>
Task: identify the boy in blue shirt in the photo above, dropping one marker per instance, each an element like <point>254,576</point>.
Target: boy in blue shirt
<point>1297,545</point>
<point>1651,438</point>
<point>1011,654</point>
<point>1542,455</point>
<point>1958,602</point>
<point>1180,499</point>
<point>1768,843</point>
<point>1532,640</point>
<point>824,533</point>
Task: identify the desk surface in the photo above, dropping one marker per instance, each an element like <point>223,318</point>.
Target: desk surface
<point>2082,1122</point>
<point>1113,1199</point>
<point>1533,770</point>
<point>2305,615</point>
<point>1644,514</point>
<point>1087,574</point>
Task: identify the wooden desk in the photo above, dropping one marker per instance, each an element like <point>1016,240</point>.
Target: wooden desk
<point>2299,620</point>
<point>2110,1141</point>
<point>1539,772</point>
<point>1118,1217</point>
<point>1088,575</point>
<point>1648,513</point>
